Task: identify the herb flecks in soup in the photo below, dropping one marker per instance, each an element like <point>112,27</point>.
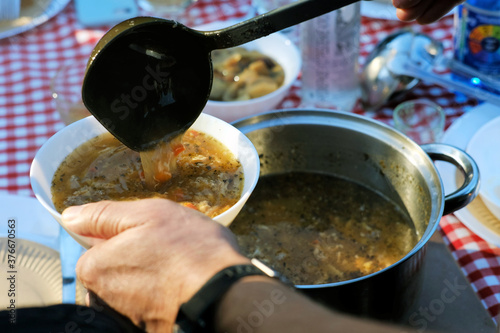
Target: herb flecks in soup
<point>317,229</point>
<point>241,74</point>
<point>207,175</point>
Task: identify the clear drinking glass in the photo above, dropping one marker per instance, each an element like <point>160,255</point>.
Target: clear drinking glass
<point>330,51</point>
<point>66,89</point>
<point>421,120</point>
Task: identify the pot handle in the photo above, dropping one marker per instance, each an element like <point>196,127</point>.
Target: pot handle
<point>466,164</point>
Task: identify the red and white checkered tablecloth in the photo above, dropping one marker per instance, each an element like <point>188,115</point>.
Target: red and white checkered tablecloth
<point>28,118</point>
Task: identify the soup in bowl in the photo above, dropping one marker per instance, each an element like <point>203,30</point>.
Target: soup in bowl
<point>57,183</point>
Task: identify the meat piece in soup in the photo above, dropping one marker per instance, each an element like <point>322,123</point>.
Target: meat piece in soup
<point>316,228</point>
<point>206,175</point>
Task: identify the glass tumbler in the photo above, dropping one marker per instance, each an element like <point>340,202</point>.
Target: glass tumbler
<point>421,120</point>
<point>66,89</point>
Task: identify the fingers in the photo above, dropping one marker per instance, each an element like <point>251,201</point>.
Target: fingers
<point>405,4</point>
<point>88,269</point>
<point>423,11</point>
<point>106,219</point>
<point>98,219</point>
<point>409,10</point>
<point>436,11</point>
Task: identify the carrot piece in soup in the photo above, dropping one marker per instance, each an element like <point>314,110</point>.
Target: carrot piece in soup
<point>189,205</point>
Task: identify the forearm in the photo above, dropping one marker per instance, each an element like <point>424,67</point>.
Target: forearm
<point>260,304</point>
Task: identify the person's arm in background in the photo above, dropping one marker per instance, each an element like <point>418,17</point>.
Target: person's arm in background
<point>263,305</point>
<point>156,254</point>
<point>423,11</point>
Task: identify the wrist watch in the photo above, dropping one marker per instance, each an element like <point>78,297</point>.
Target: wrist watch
<point>197,314</point>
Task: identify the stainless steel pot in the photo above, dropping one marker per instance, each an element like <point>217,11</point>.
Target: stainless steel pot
<point>376,155</point>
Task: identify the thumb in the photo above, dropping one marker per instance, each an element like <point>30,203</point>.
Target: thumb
<point>103,219</point>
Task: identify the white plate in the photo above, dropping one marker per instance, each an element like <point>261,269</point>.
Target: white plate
<point>33,13</point>
<point>484,148</point>
<point>476,215</point>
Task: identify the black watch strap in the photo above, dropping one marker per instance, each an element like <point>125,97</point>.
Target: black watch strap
<point>196,314</point>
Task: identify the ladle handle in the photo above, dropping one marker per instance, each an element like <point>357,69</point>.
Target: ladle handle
<point>275,20</point>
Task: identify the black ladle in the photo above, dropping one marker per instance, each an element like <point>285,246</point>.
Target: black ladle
<point>148,79</point>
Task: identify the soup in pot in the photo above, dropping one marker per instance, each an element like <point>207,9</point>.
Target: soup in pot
<point>316,228</point>
<point>200,173</point>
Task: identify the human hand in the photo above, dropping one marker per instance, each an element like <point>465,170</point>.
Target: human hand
<point>155,256</point>
<point>423,11</point>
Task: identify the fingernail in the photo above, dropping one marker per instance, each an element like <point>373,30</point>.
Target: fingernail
<point>70,214</point>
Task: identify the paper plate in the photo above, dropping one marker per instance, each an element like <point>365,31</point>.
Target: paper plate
<point>32,274</point>
<point>33,13</point>
<point>484,148</point>
<point>476,216</point>
<point>37,252</point>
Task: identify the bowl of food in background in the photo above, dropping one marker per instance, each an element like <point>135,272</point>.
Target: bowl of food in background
<point>252,78</point>
<point>212,168</point>
<point>346,206</point>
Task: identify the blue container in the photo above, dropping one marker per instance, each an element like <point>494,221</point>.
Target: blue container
<point>477,35</point>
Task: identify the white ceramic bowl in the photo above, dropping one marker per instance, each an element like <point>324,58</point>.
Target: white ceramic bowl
<point>484,148</point>
<point>55,150</point>
<point>276,46</point>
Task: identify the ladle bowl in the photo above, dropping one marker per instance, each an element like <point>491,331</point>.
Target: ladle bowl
<point>141,88</point>
<point>378,82</point>
<point>148,79</point>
